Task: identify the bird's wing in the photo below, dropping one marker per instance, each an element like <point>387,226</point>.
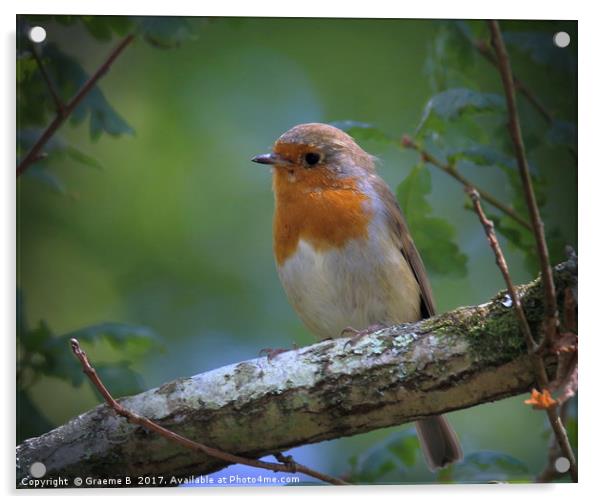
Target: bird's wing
<point>401,234</point>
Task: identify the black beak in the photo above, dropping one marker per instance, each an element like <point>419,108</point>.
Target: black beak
<point>270,159</point>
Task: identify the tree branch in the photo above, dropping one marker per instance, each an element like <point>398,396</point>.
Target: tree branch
<point>58,103</point>
<point>539,365</point>
<point>326,391</point>
<point>288,464</point>
<point>531,97</point>
<point>550,473</point>
<point>451,170</point>
<point>66,110</point>
<point>551,310</point>
<point>503,266</point>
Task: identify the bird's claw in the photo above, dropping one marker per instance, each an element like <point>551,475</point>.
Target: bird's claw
<point>358,335</point>
<point>270,353</point>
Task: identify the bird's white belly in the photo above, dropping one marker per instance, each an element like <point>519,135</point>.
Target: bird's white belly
<point>364,283</point>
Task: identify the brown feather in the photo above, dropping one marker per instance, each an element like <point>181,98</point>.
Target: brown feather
<point>406,244</point>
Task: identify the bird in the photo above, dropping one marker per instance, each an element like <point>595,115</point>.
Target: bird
<point>344,253</point>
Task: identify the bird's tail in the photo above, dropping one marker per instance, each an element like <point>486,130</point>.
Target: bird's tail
<point>439,442</point>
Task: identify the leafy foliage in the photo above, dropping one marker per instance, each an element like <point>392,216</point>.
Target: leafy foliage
<point>482,155</point>
<point>388,461</point>
<point>57,152</point>
<point>35,106</point>
<point>447,68</point>
<point>434,237</point>
<point>165,32</point>
<point>41,352</point>
<point>485,466</point>
<point>453,104</point>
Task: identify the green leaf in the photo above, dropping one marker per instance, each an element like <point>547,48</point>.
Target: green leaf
<point>387,461</point>
<point>486,466</point>
<point>82,158</point>
<point>481,155</point>
<point>97,27</point>
<point>55,148</point>
<point>118,335</point>
<point>120,379</point>
<point>165,32</point>
<point>434,237</point>
<point>103,118</point>
<point>363,131</point>
<point>412,191</point>
<point>69,76</point>
<point>36,339</point>
<point>58,361</point>
<point>103,27</point>
<point>449,56</point>
<point>405,446</point>
<point>56,151</point>
<point>455,103</point>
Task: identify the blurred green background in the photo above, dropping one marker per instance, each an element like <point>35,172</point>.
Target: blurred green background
<point>174,233</point>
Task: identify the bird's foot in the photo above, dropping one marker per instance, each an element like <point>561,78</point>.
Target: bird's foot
<point>357,335</point>
<point>271,353</point>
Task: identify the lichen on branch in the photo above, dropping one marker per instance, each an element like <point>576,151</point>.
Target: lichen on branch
<point>329,390</point>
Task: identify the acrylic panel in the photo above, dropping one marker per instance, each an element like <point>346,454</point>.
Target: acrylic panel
<point>275,239</point>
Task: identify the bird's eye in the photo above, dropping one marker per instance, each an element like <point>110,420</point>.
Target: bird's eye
<point>312,158</point>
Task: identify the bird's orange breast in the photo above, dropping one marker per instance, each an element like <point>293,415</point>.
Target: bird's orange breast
<point>314,206</point>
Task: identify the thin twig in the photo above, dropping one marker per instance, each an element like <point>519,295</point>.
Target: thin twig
<point>60,106</point>
<point>551,322</point>
<point>566,347</point>
<point>484,49</point>
<point>287,464</point>
<point>489,55</point>
<point>451,170</point>
<point>539,368</point>
<point>503,266</point>
<point>60,118</point>
<point>549,473</point>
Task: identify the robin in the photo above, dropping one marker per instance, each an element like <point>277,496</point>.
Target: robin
<point>343,250</point>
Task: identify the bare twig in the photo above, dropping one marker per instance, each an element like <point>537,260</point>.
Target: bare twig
<point>503,266</point>
<point>451,170</point>
<point>483,48</point>
<point>60,118</point>
<point>60,107</point>
<point>551,310</point>
<point>550,473</point>
<point>490,56</point>
<point>255,408</point>
<point>538,362</point>
<point>287,464</point>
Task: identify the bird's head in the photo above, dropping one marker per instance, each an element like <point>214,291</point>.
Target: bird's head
<point>315,156</point>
